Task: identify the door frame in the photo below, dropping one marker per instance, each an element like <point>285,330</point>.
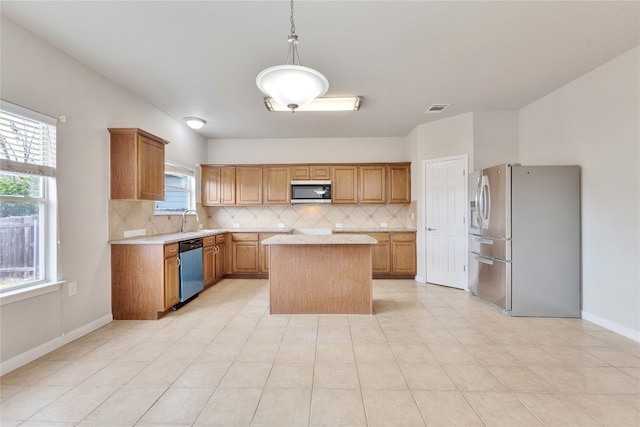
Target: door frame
<point>423,217</point>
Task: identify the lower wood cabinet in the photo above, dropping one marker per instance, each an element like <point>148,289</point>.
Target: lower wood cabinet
<point>394,256</point>
<point>214,254</point>
<point>222,259</point>
<point>171,276</point>
<point>264,252</point>
<point>144,280</point>
<point>381,254</point>
<point>403,251</point>
<point>244,253</point>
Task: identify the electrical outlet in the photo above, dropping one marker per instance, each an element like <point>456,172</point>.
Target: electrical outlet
<point>383,225</point>
<point>236,225</point>
<point>73,288</point>
<point>339,225</point>
<point>281,225</point>
<point>134,233</point>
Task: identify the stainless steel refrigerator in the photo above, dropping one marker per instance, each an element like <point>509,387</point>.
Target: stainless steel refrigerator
<point>524,239</point>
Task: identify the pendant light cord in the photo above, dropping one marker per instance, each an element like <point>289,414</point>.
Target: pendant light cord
<point>293,24</point>
<point>292,55</point>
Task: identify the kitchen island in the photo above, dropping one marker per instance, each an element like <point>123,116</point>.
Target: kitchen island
<point>320,274</point>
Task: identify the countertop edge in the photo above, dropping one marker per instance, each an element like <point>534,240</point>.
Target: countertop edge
<point>163,239</point>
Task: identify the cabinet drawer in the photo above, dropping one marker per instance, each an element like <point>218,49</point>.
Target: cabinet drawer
<point>403,237</point>
<point>380,237</point>
<point>245,237</point>
<point>208,241</point>
<point>170,250</point>
<point>221,238</point>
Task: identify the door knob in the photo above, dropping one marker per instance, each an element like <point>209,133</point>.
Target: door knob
<point>431,229</point>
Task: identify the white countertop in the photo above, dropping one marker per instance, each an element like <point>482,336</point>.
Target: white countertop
<point>340,235</point>
<point>163,239</point>
<point>310,239</point>
<point>373,230</point>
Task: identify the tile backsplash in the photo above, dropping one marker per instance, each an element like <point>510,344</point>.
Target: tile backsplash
<point>125,215</point>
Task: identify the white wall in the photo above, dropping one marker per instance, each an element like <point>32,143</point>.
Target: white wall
<point>37,76</point>
<point>594,122</point>
<point>495,138</point>
<point>442,138</point>
<point>308,150</point>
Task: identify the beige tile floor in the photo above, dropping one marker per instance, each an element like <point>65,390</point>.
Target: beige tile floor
<point>430,356</point>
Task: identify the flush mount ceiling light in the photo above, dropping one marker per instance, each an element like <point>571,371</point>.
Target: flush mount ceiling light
<point>292,85</point>
<point>194,122</point>
<point>350,103</point>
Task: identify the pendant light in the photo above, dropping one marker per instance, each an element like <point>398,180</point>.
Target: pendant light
<point>292,84</point>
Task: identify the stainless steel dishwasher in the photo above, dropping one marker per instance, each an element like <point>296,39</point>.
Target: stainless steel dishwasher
<point>191,273</point>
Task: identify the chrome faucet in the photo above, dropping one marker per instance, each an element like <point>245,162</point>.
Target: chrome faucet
<point>184,218</point>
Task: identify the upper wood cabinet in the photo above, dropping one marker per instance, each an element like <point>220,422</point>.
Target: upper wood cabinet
<point>252,185</point>
<point>373,184</point>
<point>302,172</point>
<point>218,185</point>
<point>320,172</point>
<point>248,185</point>
<point>137,164</point>
<point>344,184</point>
<point>399,183</point>
<point>277,185</point>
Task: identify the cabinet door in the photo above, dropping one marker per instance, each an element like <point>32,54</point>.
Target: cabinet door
<point>264,252</point>
<point>150,162</point>
<point>221,261</point>
<point>248,185</point>
<point>218,186</point>
<point>373,184</point>
<point>228,185</point>
<point>209,265</point>
<point>344,184</point>
<point>300,172</point>
<point>171,282</point>
<point>399,187</point>
<point>320,172</point>
<point>403,253</point>
<point>277,185</point>
<point>244,257</point>
<point>381,254</point>
<point>210,185</point>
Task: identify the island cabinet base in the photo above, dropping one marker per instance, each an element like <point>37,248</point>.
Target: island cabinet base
<point>320,279</point>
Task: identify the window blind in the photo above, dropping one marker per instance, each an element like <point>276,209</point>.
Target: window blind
<point>27,141</point>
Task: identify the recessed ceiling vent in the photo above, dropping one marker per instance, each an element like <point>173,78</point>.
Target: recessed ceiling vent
<point>437,108</point>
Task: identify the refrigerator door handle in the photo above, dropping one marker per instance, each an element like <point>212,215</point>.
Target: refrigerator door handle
<point>485,192</point>
<point>483,241</point>
<point>483,260</point>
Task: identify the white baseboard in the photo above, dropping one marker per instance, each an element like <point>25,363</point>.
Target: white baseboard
<point>612,326</point>
<point>420,279</point>
<point>37,352</point>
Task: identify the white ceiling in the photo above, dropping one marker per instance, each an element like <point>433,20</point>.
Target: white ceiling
<point>201,58</point>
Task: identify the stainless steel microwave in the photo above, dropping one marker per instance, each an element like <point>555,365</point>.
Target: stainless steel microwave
<point>310,191</point>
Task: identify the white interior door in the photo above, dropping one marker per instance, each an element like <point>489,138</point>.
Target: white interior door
<point>446,229</point>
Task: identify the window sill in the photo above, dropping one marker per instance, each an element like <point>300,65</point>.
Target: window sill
<point>13,296</point>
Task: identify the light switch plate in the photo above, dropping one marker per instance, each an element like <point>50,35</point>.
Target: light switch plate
<point>73,288</point>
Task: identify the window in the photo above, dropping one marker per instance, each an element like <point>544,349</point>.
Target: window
<point>179,190</point>
<point>27,197</point>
